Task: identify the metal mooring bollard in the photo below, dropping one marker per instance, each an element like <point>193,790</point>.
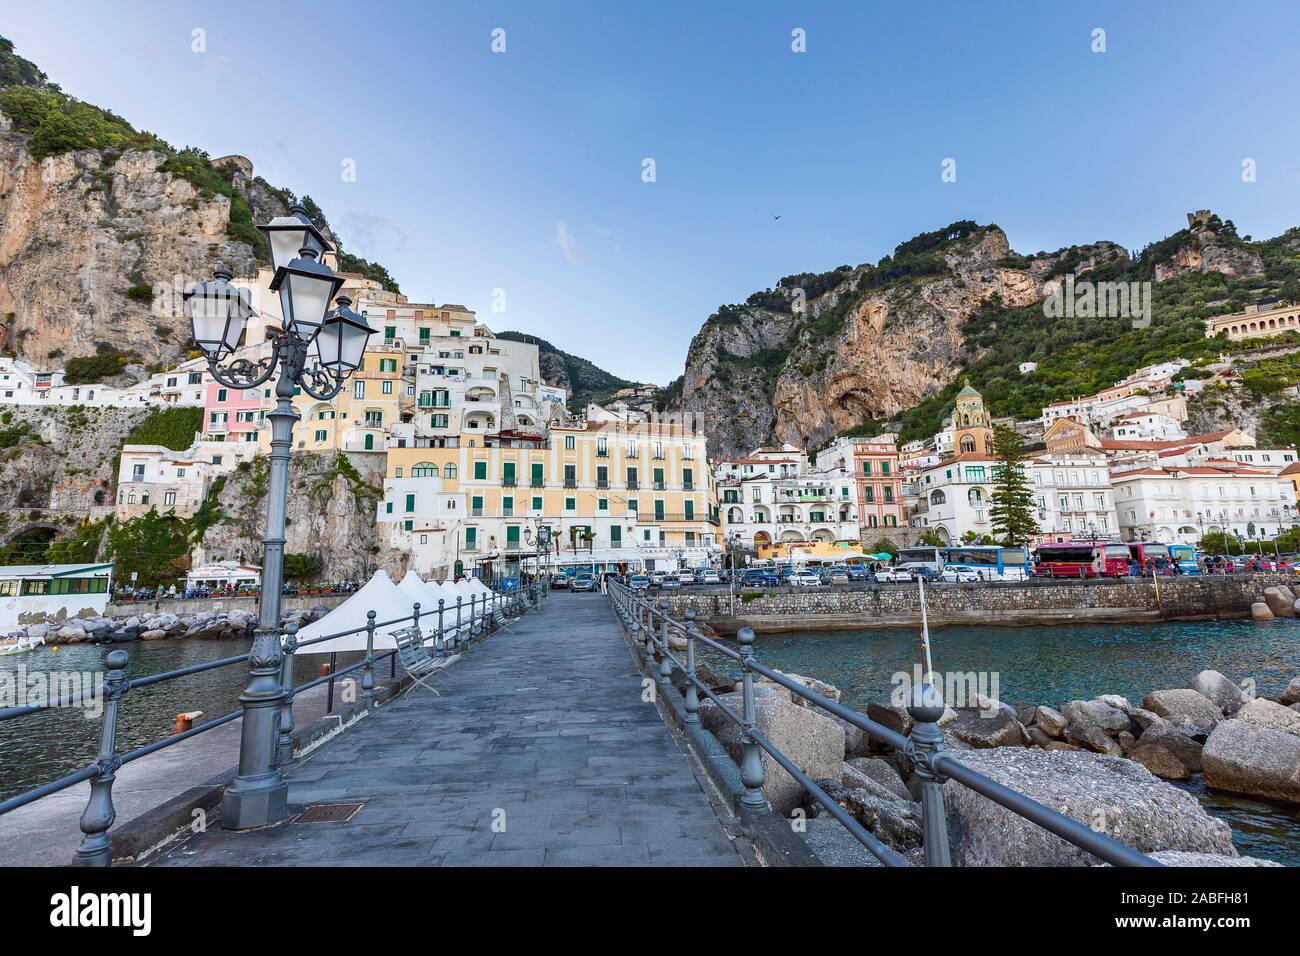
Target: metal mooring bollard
<point>924,744</point>
<point>96,848</point>
<point>665,662</point>
<point>692,692</point>
<point>752,774</point>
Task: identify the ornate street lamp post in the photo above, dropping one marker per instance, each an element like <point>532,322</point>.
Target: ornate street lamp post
<point>336,340</point>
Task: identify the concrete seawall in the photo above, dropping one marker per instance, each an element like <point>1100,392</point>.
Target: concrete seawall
<point>1033,602</point>
<point>181,607</point>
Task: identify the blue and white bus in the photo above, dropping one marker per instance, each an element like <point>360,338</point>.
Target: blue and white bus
<point>990,562</point>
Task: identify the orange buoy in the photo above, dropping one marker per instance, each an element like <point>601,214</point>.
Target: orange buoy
<point>185,720</point>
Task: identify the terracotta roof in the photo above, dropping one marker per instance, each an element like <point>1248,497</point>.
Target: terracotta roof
<point>1291,469</point>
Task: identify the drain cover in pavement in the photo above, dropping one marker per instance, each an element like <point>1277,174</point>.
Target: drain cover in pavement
<point>329,813</point>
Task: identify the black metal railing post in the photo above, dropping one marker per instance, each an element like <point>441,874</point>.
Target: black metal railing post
<point>647,628</point>
<point>284,740</point>
<point>665,660</point>
<point>459,600</point>
<point>752,774</point>
<point>442,631</point>
<point>96,848</point>
<point>692,692</point>
<point>368,672</point>
<point>925,743</point>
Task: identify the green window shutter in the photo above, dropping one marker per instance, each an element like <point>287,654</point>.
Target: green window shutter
<point>512,537</point>
<point>471,536</point>
<point>616,536</point>
<point>884,467</point>
<point>508,472</point>
<point>538,468</point>
<point>476,504</point>
<point>508,503</point>
<point>410,502</point>
<point>537,502</point>
<point>570,504</point>
<point>602,474</point>
<point>480,470</point>
<point>866,467</point>
<point>388,508</point>
<point>690,510</point>
<point>659,509</point>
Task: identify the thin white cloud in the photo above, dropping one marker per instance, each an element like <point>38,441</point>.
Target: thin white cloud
<point>568,244</point>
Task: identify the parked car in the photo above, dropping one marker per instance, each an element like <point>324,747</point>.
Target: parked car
<point>923,571</point>
<point>759,578</point>
<point>670,581</point>
<point>709,576</point>
<point>583,582</point>
<point>805,579</point>
<point>559,582</point>
<point>954,572</point>
<point>893,576</point>
<point>837,574</point>
<point>639,582</point>
<point>657,578</point>
<point>686,577</point>
<point>857,572</point>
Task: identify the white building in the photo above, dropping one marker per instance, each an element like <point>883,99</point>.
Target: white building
<point>23,384</point>
<point>772,497</point>
<point>1272,460</point>
<point>1074,497</point>
<point>152,477</point>
<point>52,593</point>
<point>1141,426</point>
<point>224,575</point>
<point>953,497</point>
<point>1182,503</point>
<point>1027,367</point>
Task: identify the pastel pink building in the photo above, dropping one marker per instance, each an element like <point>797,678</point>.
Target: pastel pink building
<point>231,414</point>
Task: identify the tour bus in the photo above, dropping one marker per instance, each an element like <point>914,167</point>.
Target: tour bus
<point>1185,555</point>
<point>990,562</point>
<point>1082,559</point>
<point>1150,554</point>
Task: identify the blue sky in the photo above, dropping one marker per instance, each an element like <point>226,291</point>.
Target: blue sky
<point>522,170</point>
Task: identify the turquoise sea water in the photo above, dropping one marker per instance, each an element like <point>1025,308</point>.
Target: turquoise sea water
<point>1050,665</point>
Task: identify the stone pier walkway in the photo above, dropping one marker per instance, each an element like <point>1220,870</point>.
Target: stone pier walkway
<point>539,751</point>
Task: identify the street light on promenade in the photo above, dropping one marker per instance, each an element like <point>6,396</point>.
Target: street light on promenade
<point>335,340</point>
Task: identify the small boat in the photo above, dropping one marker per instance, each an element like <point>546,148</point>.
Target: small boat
<point>18,644</point>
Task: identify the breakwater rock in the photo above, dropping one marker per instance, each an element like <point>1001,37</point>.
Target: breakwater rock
<point>206,625</point>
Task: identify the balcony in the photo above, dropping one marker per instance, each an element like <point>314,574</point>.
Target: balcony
<point>536,483</point>
<point>688,486</point>
<point>659,486</point>
<point>632,484</point>
<point>601,483</point>
<point>507,511</point>
<point>570,483</point>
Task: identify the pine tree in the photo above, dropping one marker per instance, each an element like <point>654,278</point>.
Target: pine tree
<point>1012,510</point>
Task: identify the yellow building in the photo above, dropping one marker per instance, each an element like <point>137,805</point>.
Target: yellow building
<point>614,495</point>
<point>971,424</point>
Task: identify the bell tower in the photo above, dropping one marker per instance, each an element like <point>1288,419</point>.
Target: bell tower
<point>972,425</point>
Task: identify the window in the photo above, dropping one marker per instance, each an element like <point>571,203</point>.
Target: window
<point>508,474</point>
<point>471,538</point>
<point>508,506</point>
<point>602,504</point>
<point>359,388</point>
<point>570,476</point>
<point>884,468</point>
<point>388,507</point>
<point>570,504</point>
<point>659,479</point>
<point>169,498</point>
<point>388,365</point>
<point>537,503</point>
<point>390,333</point>
<point>387,386</point>
<point>602,477</point>
<point>424,336</point>
<point>320,435</point>
<point>688,479</point>
<point>221,394</point>
<point>480,471</point>
<point>690,511</point>
<point>425,469</point>
<point>866,467</point>
<point>659,509</point>
<point>568,443</point>
<point>476,506</point>
<point>449,471</point>
<point>438,421</point>
<point>410,503</point>
<point>615,536</point>
<point>631,477</point>
<point>537,470</point>
<point>512,537</point>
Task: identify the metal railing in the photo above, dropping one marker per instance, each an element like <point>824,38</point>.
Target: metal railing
<point>650,628</point>
<point>457,624</point>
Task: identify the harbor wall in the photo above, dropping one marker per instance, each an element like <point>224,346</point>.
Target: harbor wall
<point>1032,602</point>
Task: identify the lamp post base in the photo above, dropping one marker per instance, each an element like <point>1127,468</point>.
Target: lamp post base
<point>265,801</point>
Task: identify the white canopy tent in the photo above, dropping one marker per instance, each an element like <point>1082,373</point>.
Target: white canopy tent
<point>428,594</point>
<point>380,595</point>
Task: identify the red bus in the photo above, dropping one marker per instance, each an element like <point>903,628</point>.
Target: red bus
<point>1082,559</point>
<point>1151,554</point>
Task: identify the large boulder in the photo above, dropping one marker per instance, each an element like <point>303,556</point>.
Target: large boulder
<point>1183,858</point>
<point>890,714</point>
<point>1051,721</point>
<point>1110,719</point>
<point>1259,612</point>
<point>1109,794</point>
<point>69,634</point>
<point>1278,602</point>
<point>1159,761</point>
<point>893,821</point>
<point>817,687</point>
<point>1292,693</point>
<point>1220,691</point>
<point>1241,757</point>
<point>883,772</point>
<point>814,743</point>
<point>1083,732</point>
<point>1271,716</point>
<point>1160,733</point>
<point>989,724</point>
<point>1186,709</point>
<point>157,634</point>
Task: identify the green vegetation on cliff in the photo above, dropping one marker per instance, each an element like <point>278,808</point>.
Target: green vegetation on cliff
<point>172,428</point>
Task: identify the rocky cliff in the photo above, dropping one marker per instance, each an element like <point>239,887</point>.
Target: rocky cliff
<point>332,510</point>
<point>102,226</point>
<point>851,349</point>
<point>583,379</point>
